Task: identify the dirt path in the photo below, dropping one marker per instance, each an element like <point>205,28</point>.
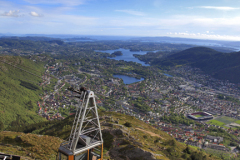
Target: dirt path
<point>151,133</point>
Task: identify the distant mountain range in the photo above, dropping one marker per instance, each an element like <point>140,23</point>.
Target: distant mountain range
<point>223,46</point>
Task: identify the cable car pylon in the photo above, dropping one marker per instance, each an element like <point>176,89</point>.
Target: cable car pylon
<point>85,141</point>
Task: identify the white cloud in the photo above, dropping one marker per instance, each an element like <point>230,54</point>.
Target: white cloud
<point>207,36</point>
<point>14,13</point>
<point>192,25</point>
<point>34,14</point>
<point>57,18</point>
<point>218,22</point>
<point>136,13</point>
<point>63,2</point>
<point>179,23</point>
<point>72,20</point>
<point>219,8</point>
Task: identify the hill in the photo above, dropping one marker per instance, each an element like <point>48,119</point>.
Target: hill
<point>29,146</point>
<point>19,91</point>
<point>192,55</point>
<point>224,66</point>
<point>124,137</point>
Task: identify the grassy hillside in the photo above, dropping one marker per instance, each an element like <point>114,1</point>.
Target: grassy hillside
<point>126,137</point>
<point>30,146</point>
<point>223,66</point>
<point>19,91</point>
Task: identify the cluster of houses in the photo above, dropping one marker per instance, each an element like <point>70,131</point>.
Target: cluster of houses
<point>196,75</point>
<point>161,93</point>
<point>187,134</point>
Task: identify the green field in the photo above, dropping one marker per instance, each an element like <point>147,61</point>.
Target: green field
<point>198,115</point>
<point>216,122</point>
<point>238,122</point>
<point>226,120</point>
<point>220,154</point>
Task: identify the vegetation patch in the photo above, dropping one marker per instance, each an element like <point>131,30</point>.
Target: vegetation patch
<point>128,124</point>
<point>217,153</point>
<point>19,91</point>
<point>226,120</point>
<point>238,122</point>
<point>228,138</point>
<point>228,98</point>
<point>29,145</point>
<point>216,122</point>
<point>29,85</point>
<point>108,140</point>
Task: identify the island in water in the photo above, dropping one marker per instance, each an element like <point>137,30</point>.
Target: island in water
<point>116,53</point>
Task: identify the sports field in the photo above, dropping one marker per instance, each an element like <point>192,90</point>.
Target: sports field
<point>238,122</point>
<point>198,115</point>
<point>226,120</point>
<point>216,122</point>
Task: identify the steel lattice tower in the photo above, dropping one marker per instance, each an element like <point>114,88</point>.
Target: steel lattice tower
<point>86,131</point>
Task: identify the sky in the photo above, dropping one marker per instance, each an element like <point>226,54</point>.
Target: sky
<point>199,19</point>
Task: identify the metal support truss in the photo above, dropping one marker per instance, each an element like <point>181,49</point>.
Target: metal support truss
<point>86,131</point>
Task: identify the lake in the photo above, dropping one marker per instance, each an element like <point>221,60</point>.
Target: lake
<point>167,75</point>
<point>78,40</point>
<point>127,55</point>
<point>127,79</point>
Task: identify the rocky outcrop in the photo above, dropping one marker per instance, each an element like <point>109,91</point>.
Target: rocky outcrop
<point>130,152</point>
<point>124,146</point>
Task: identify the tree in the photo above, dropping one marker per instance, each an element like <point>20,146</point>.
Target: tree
<point>1,126</point>
<point>30,105</point>
<point>187,150</point>
<point>127,124</point>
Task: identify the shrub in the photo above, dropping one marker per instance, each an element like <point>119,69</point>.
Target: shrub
<point>156,141</point>
<point>127,124</point>
<point>1,125</point>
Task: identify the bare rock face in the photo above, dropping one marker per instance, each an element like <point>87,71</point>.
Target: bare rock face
<point>18,138</point>
<point>107,124</point>
<point>117,132</point>
<point>122,148</point>
<point>138,153</point>
<point>122,145</point>
<point>130,152</point>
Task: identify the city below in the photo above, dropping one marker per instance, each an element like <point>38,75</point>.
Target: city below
<point>191,106</point>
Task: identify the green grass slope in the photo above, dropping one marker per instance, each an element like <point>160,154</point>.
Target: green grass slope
<point>19,91</point>
<point>126,137</point>
<point>29,146</point>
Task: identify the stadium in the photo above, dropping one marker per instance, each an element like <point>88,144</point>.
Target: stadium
<point>200,116</point>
